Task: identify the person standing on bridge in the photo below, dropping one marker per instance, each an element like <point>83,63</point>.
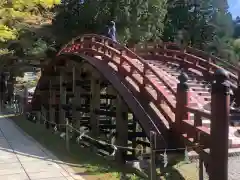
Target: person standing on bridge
<point>111,31</point>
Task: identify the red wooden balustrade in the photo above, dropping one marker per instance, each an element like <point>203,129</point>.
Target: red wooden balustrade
<point>192,58</point>
<point>131,66</point>
<point>194,131</point>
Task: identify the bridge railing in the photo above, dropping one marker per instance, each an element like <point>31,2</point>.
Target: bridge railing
<point>175,110</point>
<point>196,133</point>
<point>189,58</point>
<point>104,40</point>
<point>193,51</point>
<point>127,64</point>
<point>199,53</point>
<point>95,45</point>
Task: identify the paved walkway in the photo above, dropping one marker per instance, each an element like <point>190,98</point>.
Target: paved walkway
<point>22,158</point>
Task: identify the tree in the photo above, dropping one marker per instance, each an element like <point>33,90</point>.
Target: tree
<point>18,19</point>
<point>207,23</point>
<point>135,20</point>
<point>236,27</point>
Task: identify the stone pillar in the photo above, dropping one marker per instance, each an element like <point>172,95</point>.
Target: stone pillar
<point>220,108</point>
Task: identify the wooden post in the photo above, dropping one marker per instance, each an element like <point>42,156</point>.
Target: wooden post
<point>111,103</point>
<point>200,174</point>
<point>42,65</point>
<point>134,140</point>
<point>25,99</point>
<point>38,115</point>
<point>220,108</point>
<point>52,101</point>
<point>77,102</point>
<point>237,96</point>
<point>42,114</point>
<point>67,135</point>
<point>94,105</point>
<point>121,130</point>
<point>74,79</point>
<point>62,114</point>
<point>153,144</point>
<point>182,100</point>
<point>74,102</point>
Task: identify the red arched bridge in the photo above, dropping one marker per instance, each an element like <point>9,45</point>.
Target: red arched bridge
<point>182,95</point>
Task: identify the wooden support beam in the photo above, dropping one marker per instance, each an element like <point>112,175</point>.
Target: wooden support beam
<point>121,129</point>
<point>74,100</point>
<point>62,113</point>
<point>77,103</point>
<point>73,79</point>
<point>43,115</point>
<point>134,140</point>
<point>111,101</point>
<point>52,100</point>
<point>94,105</point>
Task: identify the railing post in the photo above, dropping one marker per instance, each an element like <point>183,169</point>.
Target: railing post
<point>25,99</point>
<point>182,100</point>
<point>220,108</point>
<point>238,89</point>
<point>153,173</point>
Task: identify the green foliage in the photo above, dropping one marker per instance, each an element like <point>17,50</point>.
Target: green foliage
<point>207,26</point>
<point>31,84</point>
<point>7,33</point>
<point>38,48</point>
<point>26,29</point>
<point>19,24</point>
<point>5,51</point>
<point>135,20</point>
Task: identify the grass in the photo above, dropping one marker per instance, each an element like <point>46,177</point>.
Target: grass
<point>84,162</point>
<point>93,167</point>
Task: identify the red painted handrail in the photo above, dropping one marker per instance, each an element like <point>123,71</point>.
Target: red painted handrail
<point>191,57</point>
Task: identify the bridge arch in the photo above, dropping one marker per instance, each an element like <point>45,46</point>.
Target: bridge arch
<point>151,92</point>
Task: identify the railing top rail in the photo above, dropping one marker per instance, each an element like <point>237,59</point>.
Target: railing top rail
<point>117,44</point>
<point>204,114</point>
<point>199,53</point>
<point>213,65</point>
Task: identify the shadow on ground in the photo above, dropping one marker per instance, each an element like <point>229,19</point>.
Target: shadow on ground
<point>82,160</point>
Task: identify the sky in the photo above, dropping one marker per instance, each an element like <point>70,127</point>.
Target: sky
<point>234,7</point>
